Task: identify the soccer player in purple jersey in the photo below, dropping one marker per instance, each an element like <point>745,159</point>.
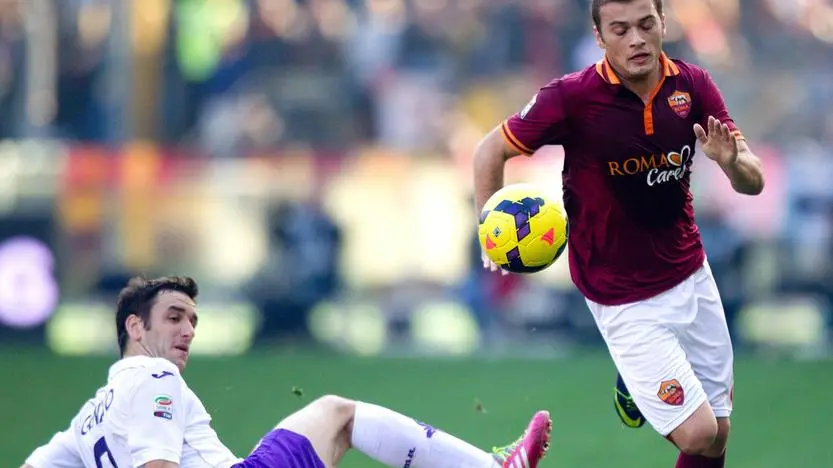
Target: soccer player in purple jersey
<point>146,416</point>
<point>628,126</point>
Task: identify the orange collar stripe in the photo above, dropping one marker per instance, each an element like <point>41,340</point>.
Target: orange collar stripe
<point>604,69</point>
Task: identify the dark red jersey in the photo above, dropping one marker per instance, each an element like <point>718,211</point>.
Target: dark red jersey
<point>626,174</point>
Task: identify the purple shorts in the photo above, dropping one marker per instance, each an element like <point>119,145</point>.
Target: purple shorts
<point>282,449</point>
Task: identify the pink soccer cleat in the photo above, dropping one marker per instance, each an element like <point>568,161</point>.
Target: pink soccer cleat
<point>530,448</point>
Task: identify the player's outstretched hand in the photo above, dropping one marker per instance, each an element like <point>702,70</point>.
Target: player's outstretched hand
<point>719,144</point>
<point>492,266</point>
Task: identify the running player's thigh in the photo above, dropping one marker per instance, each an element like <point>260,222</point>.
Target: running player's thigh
<point>708,345</point>
<point>644,346</point>
<point>324,423</point>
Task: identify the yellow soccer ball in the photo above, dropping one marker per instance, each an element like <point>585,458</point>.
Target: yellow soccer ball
<point>523,229</point>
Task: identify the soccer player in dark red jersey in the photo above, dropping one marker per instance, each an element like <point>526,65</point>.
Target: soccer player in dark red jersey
<point>629,125</point>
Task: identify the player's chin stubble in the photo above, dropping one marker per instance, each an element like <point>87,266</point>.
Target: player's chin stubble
<point>640,74</point>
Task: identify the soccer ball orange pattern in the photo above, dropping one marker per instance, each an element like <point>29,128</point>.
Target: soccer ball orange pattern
<point>522,229</point>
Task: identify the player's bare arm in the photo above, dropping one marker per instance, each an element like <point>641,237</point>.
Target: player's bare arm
<point>746,173</point>
<point>489,159</point>
<point>740,165</point>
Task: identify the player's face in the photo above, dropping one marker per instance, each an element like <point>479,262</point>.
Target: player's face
<point>173,319</point>
<point>631,35</point>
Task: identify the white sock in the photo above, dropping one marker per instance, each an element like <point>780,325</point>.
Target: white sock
<point>400,442</point>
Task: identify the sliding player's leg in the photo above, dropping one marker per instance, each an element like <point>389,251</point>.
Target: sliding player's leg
<point>397,440</point>
<point>319,434</point>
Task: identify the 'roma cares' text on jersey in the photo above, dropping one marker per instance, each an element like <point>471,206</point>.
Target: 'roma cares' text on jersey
<point>626,174</point>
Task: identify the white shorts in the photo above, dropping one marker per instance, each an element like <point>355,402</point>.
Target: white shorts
<point>672,350</point>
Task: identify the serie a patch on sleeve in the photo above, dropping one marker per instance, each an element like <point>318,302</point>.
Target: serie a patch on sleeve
<point>163,407</point>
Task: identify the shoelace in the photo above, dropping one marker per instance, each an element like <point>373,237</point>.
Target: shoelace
<point>629,403</point>
<point>504,452</point>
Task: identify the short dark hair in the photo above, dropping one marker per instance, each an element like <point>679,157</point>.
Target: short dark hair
<point>596,5</point>
<point>139,296</point>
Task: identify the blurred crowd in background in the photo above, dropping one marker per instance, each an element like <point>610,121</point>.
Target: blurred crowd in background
<point>308,161</point>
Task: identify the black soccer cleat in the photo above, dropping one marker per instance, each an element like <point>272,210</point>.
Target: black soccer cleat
<point>625,406</point>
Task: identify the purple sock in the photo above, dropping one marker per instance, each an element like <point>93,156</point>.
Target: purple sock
<point>699,461</point>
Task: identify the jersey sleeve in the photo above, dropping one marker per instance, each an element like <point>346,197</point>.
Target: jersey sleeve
<point>59,452</point>
<point>714,105</point>
<point>157,414</point>
<point>542,122</point>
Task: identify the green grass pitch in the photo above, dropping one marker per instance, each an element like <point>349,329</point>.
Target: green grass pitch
<point>782,413</point>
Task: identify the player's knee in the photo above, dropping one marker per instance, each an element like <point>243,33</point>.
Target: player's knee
<point>697,443</point>
<point>721,439</point>
<point>696,436</point>
<point>337,408</point>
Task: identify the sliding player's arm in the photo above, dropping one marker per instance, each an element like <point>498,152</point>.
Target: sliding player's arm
<point>541,122</point>
<point>724,143</point>
<point>59,452</point>
<point>157,417</point>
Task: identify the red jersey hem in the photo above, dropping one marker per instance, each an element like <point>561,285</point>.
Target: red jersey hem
<point>646,292</point>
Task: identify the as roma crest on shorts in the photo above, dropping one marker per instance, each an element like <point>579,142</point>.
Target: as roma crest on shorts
<point>680,103</point>
<point>671,392</point>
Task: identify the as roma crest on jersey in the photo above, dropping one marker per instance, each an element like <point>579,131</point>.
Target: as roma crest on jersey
<point>671,392</point>
<point>680,103</point>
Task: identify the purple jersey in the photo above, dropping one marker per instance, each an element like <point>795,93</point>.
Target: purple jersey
<point>626,174</point>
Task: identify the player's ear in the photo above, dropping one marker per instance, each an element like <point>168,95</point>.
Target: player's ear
<point>662,23</point>
<point>134,327</point>
<point>599,41</point>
